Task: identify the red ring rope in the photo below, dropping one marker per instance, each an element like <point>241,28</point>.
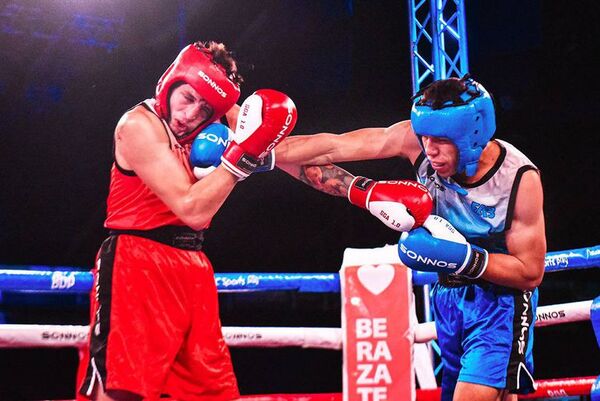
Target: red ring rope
<point>562,387</point>
<point>553,388</point>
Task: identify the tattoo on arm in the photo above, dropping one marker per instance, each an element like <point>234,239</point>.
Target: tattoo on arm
<point>327,178</point>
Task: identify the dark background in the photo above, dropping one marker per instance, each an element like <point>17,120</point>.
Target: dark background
<point>69,69</point>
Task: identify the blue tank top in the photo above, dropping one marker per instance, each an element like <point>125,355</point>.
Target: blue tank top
<point>485,213</point>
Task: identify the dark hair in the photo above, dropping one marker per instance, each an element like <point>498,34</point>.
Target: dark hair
<point>223,57</point>
<point>445,92</point>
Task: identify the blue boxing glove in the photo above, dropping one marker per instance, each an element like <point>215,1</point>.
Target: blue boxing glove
<point>438,247</point>
<point>207,148</point>
<point>209,145</point>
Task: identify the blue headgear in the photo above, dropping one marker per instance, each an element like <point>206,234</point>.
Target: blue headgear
<point>469,124</point>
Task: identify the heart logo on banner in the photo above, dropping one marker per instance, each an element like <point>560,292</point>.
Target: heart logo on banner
<point>376,278</point>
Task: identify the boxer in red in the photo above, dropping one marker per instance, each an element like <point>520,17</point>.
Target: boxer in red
<point>154,324</point>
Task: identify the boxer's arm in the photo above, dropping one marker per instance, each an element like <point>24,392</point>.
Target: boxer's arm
<point>232,115</point>
<point>523,267</point>
<point>400,205</point>
<point>142,146</point>
<point>328,178</point>
<point>362,144</point>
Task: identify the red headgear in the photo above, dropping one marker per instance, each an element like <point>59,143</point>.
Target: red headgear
<point>194,66</point>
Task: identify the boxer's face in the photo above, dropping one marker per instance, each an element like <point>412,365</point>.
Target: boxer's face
<point>442,155</point>
<point>188,109</point>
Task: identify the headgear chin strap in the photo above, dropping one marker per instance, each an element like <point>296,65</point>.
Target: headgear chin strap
<point>194,66</point>
<point>469,124</point>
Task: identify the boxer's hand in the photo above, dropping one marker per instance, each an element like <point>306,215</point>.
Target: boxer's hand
<point>209,145</point>
<point>439,247</point>
<point>207,148</point>
<point>400,205</point>
<point>265,119</point>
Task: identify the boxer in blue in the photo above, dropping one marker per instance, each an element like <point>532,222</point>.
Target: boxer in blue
<point>485,237</point>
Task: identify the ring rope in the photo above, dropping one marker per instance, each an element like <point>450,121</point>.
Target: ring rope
<point>33,335</point>
<point>62,279</point>
<point>552,388</point>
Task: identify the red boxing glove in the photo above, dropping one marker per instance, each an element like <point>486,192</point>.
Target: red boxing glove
<point>400,205</point>
<point>266,117</point>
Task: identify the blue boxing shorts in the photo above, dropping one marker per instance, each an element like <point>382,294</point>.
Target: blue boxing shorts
<point>485,333</point>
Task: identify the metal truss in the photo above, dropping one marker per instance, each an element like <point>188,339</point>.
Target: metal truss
<point>438,39</point>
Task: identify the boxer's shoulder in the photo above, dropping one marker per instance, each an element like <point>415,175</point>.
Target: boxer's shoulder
<point>140,123</point>
<point>401,137</point>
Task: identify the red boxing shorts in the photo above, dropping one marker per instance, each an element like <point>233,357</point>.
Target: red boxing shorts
<point>154,324</point>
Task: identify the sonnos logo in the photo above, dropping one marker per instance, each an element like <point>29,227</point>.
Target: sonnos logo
<point>407,183</point>
<point>427,261</point>
<point>213,138</point>
<point>283,132</point>
<point>212,84</point>
<point>525,323</point>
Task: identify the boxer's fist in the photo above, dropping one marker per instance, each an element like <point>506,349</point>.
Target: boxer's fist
<point>207,148</point>
<point>265,119</point>
<point>400,205</point>
<point>439,247</point>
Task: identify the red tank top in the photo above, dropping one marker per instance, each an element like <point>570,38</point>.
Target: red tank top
<point>131,205</point>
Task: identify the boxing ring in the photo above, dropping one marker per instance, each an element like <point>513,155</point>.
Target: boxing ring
<point>62,280</point>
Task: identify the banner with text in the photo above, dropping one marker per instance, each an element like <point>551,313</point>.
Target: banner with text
<point>377,336</point>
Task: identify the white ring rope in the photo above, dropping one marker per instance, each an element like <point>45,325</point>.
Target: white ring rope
<point>33,335</point>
